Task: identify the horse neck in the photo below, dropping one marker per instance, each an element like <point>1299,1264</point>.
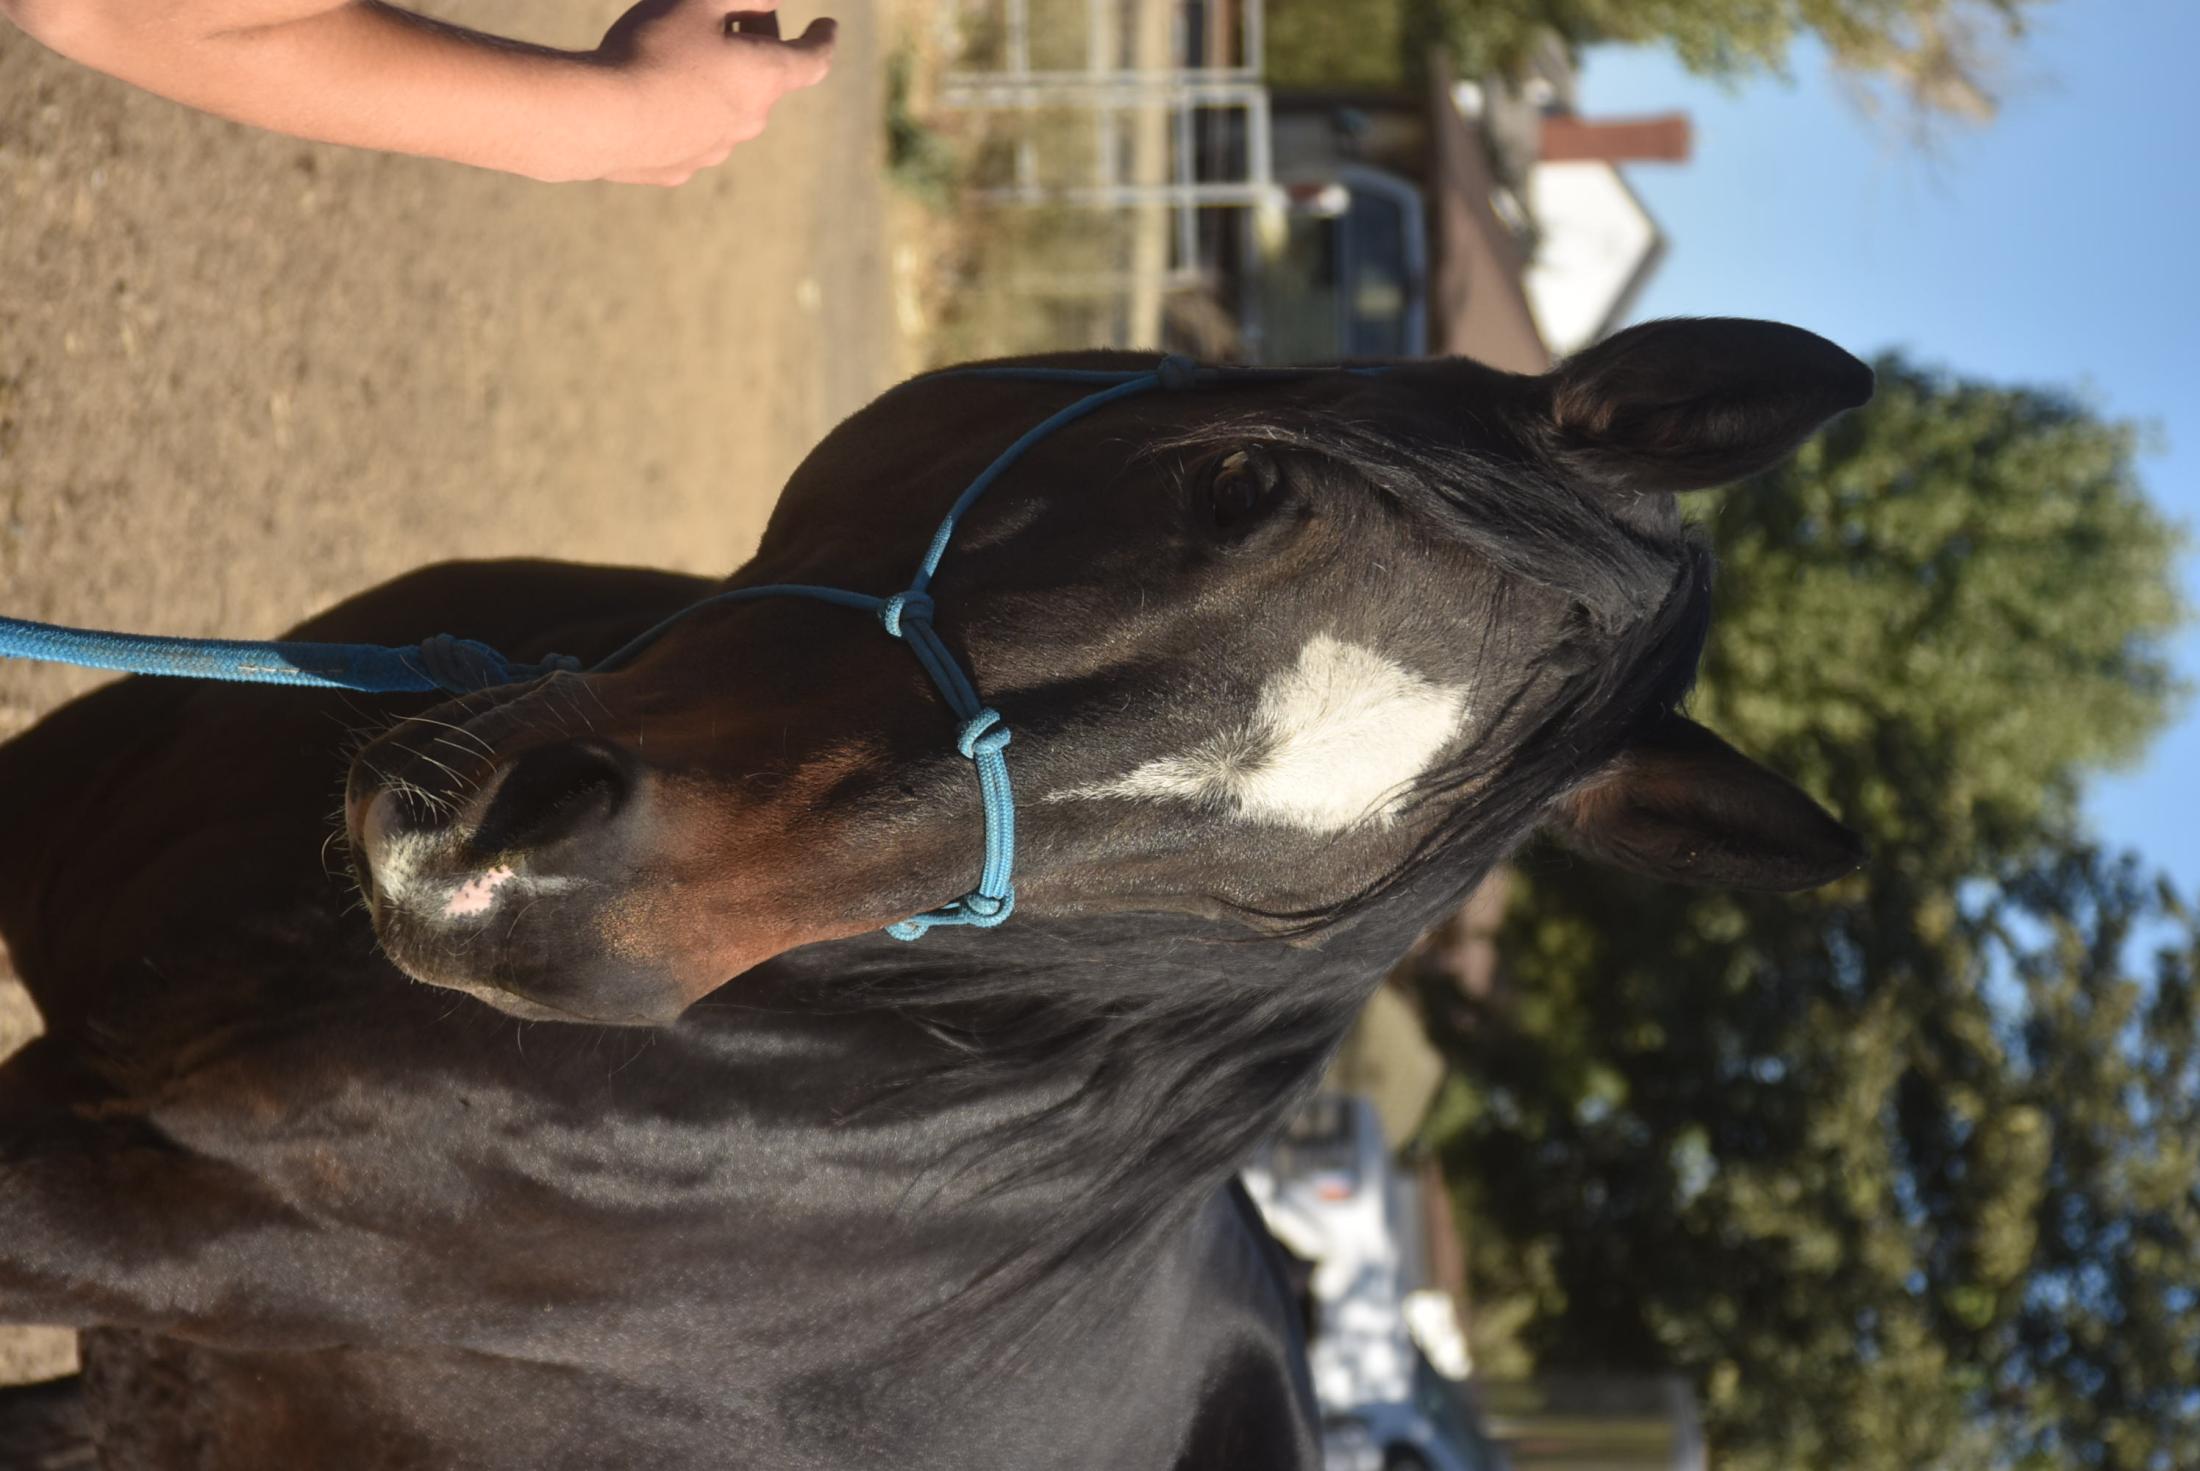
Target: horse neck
<point>953,1250</point>
<point>1104,1077</point>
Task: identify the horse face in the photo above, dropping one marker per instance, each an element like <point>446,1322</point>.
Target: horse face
<point>1257,643</point>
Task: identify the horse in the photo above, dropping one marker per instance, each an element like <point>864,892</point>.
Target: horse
<point>524,1079</point>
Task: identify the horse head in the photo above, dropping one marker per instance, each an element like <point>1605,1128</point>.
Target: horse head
<point>1271,649</point>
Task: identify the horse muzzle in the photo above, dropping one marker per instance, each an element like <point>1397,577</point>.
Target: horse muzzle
<point>488,865</point>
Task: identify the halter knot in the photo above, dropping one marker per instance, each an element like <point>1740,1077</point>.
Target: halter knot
<point>984,911</point>
<point>911,604</point>
<point>462,665</point>
<point>982,734</point>
<point>1176,372</point>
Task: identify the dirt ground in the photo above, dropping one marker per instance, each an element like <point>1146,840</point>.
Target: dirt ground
<point>242,376</point>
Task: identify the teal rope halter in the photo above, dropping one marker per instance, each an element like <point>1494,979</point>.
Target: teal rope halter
<point>462,666</point>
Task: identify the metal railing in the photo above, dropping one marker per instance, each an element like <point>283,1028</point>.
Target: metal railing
<point>1159,79</point>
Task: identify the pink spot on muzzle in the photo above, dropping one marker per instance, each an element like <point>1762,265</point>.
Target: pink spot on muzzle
<point>477,893</point>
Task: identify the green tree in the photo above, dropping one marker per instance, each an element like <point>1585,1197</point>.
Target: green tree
<point>1938,55</point>
<point>1904,1170</point>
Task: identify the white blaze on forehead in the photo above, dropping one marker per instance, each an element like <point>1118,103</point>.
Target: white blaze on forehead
<point>1336,740</point>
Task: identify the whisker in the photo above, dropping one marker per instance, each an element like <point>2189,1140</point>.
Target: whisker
<point>486,748</point>
<point>447,741</point>
<point>465,784</point>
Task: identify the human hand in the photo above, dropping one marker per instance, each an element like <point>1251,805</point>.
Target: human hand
<point>701,79</point>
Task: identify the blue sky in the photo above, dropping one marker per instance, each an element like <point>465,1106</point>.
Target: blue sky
<point>2060,245</point>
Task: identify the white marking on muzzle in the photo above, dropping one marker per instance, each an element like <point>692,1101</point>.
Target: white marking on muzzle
<point>404,875</point>
<point>397,863</point>
<point>1336,740</point>
<point>479,892</point>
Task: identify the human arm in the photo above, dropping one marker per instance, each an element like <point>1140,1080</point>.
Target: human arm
<point>673,87</point>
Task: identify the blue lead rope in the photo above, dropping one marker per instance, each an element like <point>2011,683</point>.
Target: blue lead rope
<point>462,666</point>
<point>458,665</point>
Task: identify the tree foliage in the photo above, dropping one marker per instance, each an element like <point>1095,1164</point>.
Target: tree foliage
<point>1939,55</point>
<point>1904,1171</point>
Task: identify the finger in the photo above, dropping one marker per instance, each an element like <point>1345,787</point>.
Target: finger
<point>806,59</point>
<point>787,66</point>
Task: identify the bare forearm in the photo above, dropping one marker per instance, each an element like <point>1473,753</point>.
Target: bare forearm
<point>673,88</point>
<point>360,73</point>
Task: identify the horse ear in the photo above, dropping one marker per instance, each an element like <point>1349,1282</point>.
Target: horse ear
<point>1683,805</point>
<point>1687,404</point>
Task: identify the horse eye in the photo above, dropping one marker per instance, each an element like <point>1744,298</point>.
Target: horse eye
<point>1241,484</point>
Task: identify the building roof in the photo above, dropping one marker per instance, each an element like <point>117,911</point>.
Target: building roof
<point>1478,295</point>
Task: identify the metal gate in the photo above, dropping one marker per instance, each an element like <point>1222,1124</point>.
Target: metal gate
<point>1165,101</point>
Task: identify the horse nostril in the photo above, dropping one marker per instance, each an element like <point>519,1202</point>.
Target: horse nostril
<point>553,792</point>
<point>387,866</point>
<point>394,812</point>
